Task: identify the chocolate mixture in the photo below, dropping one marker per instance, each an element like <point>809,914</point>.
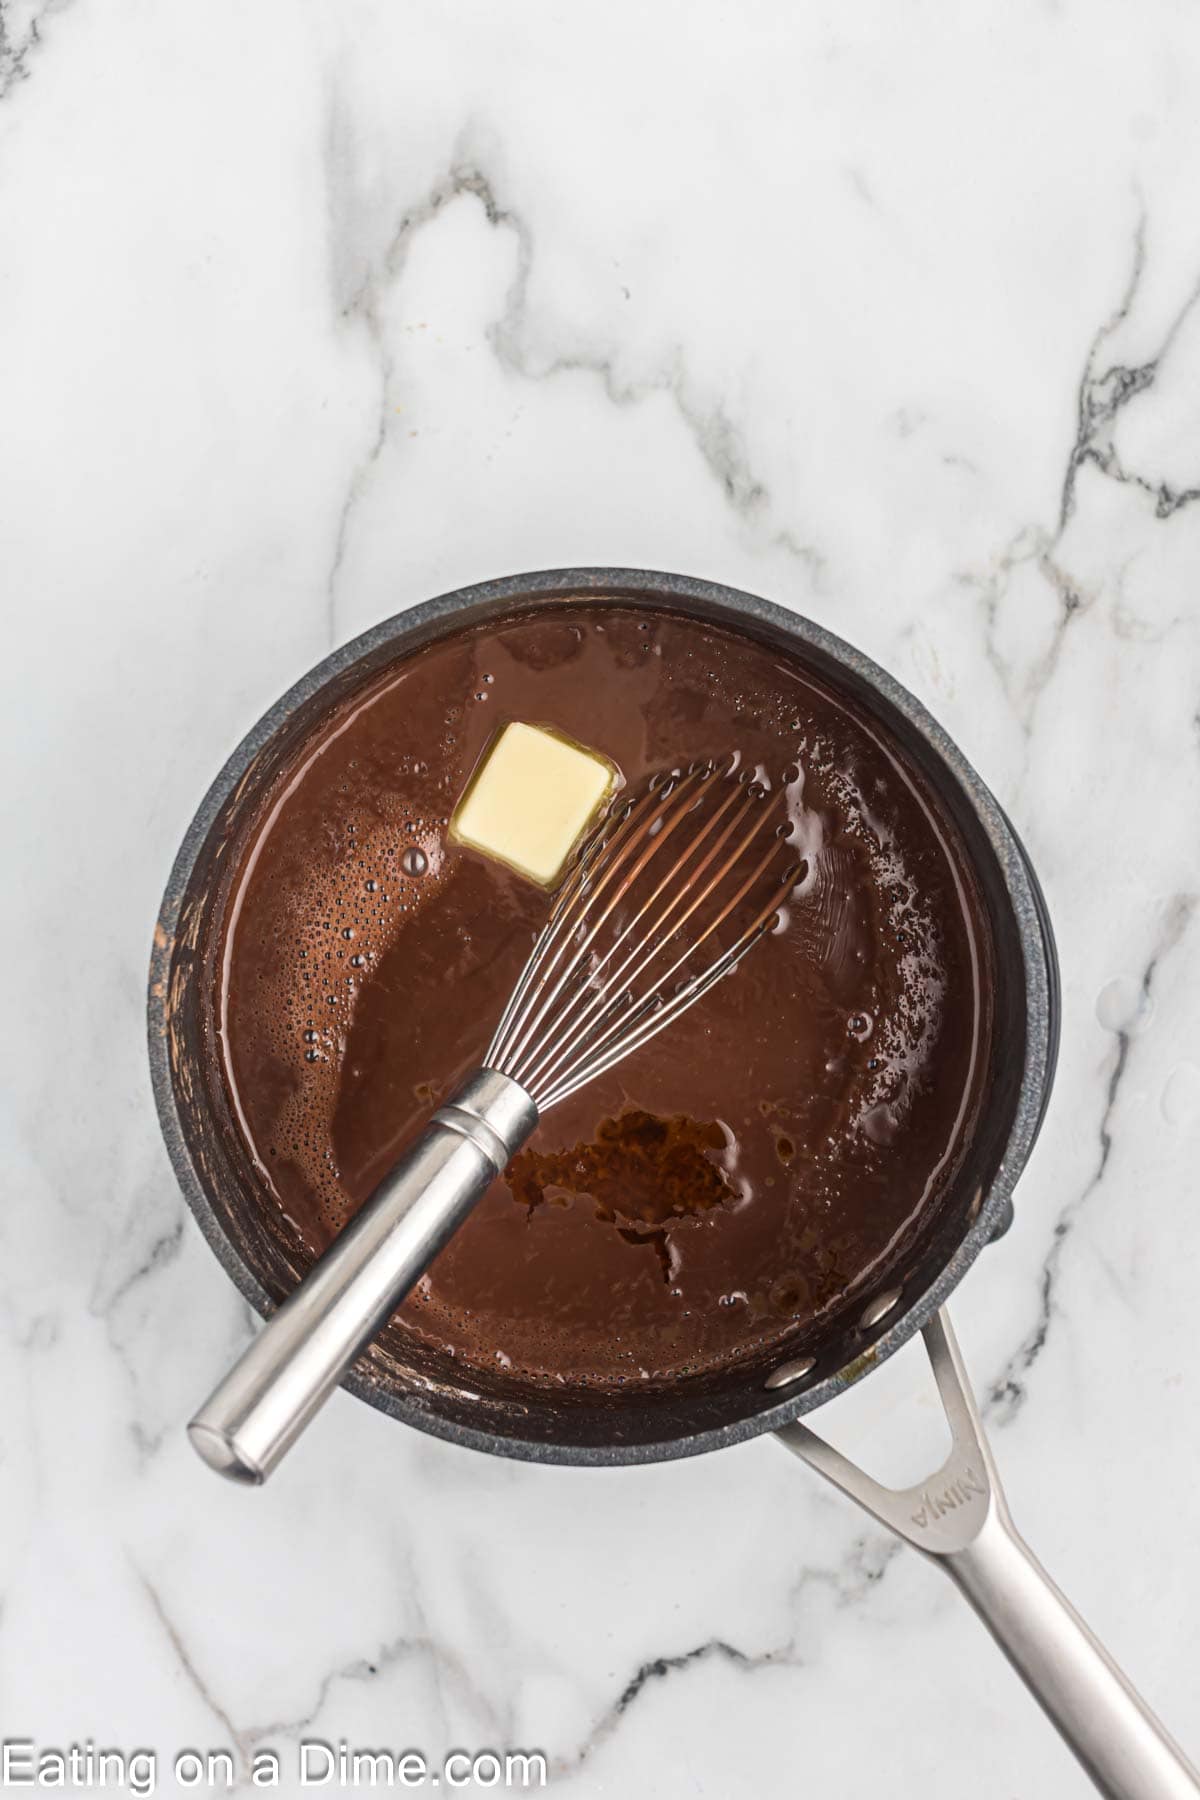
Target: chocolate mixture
<point>736,1178</point>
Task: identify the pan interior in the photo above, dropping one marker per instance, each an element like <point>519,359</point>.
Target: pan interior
<point>264,1251</point>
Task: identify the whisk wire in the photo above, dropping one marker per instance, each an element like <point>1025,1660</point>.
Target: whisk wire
<point>592,1056</point>
<point>594,987</point>
<point>541,944</point>
<point>558,925</point>
<point>667,814</point>
<point>666,1013</point>
<point>590,985</point>
<point>656,937</point>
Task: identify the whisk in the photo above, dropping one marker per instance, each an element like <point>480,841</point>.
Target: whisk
<point>667,895</point>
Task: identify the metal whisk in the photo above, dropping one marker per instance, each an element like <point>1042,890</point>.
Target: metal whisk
<point>670,891</point>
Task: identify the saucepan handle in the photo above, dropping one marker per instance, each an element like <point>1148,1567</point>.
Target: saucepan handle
<point>1112,1731</point>
<point>250,1421</point>
<point>959,1519</point>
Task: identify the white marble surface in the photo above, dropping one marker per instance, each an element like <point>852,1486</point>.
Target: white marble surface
<point>308,312</point>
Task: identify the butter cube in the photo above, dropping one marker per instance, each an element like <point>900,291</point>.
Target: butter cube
<point>532,796</point>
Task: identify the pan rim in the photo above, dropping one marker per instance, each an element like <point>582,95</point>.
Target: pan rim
<point>1029,915</point>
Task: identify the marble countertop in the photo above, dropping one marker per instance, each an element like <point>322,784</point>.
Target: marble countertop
<point>307,313</point>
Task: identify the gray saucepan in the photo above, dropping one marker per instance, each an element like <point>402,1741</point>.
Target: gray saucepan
<point>958,1516</point>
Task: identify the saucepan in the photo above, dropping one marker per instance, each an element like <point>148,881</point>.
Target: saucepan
<point>957,1516</point>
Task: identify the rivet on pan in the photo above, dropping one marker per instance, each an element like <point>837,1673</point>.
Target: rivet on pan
<point>879,1308</point>
<point>788,1372</point>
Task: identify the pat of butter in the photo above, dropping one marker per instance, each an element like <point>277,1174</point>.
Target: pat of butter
<point>531,797</point>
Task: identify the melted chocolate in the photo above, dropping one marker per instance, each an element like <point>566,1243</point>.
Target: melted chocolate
<point>731,1183</point>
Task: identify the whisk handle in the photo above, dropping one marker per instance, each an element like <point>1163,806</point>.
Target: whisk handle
<point>255,1415</point>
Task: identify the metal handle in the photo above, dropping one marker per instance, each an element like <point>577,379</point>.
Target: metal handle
<point>959,1518</point>
<point>252,1419</point>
